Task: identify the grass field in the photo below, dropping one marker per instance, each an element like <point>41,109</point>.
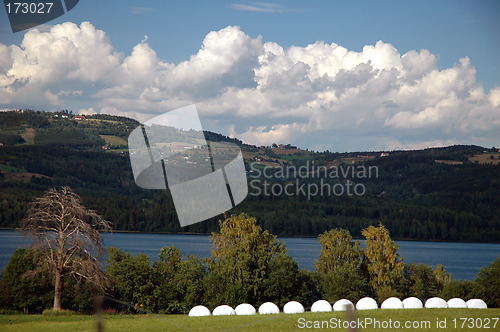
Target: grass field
<point>485,158</point>
<point>426,319</point>
<point>10,169</point>
<point>449,162</point>
<point>113,140</point>
<point>102,120</point>
<point>29,136</point>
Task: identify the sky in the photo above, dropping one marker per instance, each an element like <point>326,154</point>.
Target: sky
<point>323,75</point>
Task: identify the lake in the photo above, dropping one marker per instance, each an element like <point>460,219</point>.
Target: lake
<point>461,260</point>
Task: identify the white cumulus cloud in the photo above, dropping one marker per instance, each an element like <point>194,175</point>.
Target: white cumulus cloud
<point>321,96</point>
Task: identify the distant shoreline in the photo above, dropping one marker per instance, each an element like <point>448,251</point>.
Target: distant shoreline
<point>293,236</point>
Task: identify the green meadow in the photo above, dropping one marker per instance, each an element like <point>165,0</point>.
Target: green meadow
<point>380,320</point>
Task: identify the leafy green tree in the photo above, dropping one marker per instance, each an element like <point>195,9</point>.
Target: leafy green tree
<point>170,285</point>
<point>421,281</point>
<point>488,284</point>
<point>442,277</point>
<point>21,289</point>
<point>132,278</point>
<point>340,267</point>
<point>242,260</point>
<point>19,292</point>
<point>180,283</point>
<point>384,264</point>
<point>165,269</point>
<point>344,282</point>
<point>464,289</point>
<point>67,235</point>
<point>286,282</point>
<point>337,250</point>
<point>190,281</point>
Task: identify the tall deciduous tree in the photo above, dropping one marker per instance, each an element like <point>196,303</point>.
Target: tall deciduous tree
<point>241,259</point>
<point>385,267</point>
<point>442,276</point>
<point>132,277</point>
<point>421,281</point>
<point>67,233</point>
<point>180,282</point>
<point>488,284</point>
<point>20,293</point>
<point>337,249</point>
<point>340,266</point>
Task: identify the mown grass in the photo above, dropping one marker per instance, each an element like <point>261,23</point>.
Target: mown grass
<point>113,140</point>
<point>10,169</point>
<point>266,323</point>
<point>29,136</point>
<point>485,158</point>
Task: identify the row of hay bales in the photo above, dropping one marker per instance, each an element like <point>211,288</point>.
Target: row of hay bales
<point>366,303</point>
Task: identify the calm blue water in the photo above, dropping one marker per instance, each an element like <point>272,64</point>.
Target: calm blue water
<point>462,260</point>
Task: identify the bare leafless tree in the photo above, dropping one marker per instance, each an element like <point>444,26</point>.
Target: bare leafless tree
<point>67,234</point>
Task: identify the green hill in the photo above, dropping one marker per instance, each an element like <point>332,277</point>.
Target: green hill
<point>450,193</point>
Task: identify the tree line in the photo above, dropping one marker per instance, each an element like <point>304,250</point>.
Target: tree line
<point>247,264</point>
<point>455,204</point>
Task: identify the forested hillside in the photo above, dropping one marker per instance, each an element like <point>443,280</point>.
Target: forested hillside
<point>448,193</point>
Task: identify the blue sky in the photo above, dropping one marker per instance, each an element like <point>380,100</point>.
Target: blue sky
<point>448,30</point>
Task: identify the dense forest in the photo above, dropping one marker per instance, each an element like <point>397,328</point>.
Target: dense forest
<point>450,193</point>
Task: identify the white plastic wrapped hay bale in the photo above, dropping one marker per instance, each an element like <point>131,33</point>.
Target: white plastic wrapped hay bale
<point>342,305</point>
<point>476,304</point>
<point>366,303</point>
<point>268,308</point>
<point>392,303</point>
<point>293,307</point>
<point>223,310</point>
<point>456,303</point>
<point>436,302</point>
<point>245,309</point>
<point>412,303</point>
<point>199,311</point>
<point>321,306</point>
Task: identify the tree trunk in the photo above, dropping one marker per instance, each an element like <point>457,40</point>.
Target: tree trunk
<point>58,291</point>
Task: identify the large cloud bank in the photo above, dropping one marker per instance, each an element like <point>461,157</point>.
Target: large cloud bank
<point>321,96</point>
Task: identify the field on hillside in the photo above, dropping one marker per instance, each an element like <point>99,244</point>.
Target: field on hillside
<point>29,135</point>
<point>278,156</point>
<point>113,140</point>
<point>486,158</point>
<point>448,162</point>
<point>102,120</point>
<point>370,320</point>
